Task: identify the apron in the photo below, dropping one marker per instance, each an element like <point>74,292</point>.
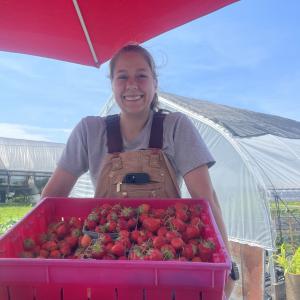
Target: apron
<point>136,174</point>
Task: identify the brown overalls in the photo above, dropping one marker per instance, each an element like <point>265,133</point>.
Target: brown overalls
<point>136,174</point>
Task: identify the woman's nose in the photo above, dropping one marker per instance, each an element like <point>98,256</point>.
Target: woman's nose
<point>131,83</point>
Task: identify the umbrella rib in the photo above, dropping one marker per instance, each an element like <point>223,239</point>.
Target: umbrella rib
<point>86,33</point>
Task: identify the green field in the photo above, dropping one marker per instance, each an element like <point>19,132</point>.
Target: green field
<point>10,214</point>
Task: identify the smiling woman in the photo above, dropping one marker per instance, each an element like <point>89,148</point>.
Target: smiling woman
<point>140,140</point>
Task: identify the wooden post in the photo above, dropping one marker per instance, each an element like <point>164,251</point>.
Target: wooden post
<point>250,260</point>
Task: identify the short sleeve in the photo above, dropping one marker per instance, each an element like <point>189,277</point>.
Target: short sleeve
<point>74,158</point>
<point>190,151</point>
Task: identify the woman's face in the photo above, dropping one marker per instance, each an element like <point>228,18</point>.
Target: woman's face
<point>133,83</point>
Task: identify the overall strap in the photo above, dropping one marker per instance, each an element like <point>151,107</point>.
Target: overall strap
<point>114,138</point>
<point>156,135</point>
<point>113,134</point>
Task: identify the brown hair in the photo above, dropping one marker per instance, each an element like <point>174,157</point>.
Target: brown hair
<point>148,58</point>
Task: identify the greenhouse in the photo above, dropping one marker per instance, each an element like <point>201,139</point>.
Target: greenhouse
<point>258,162</point>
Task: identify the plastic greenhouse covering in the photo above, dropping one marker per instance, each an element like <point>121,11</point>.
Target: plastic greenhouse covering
<point>257,155</point>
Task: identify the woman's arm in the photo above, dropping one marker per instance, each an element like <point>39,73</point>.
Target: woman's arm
<point>60,184</point>
<point>199,185</point>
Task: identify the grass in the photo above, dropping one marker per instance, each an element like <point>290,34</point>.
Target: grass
<point>11,213</point>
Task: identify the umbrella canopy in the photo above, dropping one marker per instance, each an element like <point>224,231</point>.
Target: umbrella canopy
<point>89,32</point>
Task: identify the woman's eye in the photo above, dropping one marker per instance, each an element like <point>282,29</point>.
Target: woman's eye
<point>122,77</point>
<point>142,76</point>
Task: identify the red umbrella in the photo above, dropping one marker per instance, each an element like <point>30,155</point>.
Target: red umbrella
<point>89,31</point>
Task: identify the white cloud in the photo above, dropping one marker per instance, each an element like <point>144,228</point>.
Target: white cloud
<point>20,131</point>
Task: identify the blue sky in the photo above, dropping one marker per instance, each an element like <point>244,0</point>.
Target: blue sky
<point>245,55</point>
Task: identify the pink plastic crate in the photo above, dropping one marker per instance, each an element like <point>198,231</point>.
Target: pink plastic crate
<point>51,279</point>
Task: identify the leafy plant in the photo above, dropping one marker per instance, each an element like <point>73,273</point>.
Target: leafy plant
<point>288,258</point>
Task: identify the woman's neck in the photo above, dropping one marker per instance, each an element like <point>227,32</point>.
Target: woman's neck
<point>132,125</point>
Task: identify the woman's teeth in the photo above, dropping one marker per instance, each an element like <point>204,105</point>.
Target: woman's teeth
<point>132,98</point>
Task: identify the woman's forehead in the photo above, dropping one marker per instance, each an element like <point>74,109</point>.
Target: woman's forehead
<point>132,59</point>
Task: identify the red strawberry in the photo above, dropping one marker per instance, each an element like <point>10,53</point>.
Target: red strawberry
<point>182,215</point>
<point>151,224</point>
<point>154,254</point>
<point>178,224</point>
<point>118,249</point>
<point>217,258</point>
<point>98,250</point>
<point>85,241</point>
<point>177,243</point>
<point>206,249</point>
<point>189,251</point>
<point>192,232</point>
<point>158,242</point>
<point>72,241</point>
<point>55,254</point>
<point>162,231</point>
<point>64,248</point>
<point>62,230</point>
<point>75,222</point>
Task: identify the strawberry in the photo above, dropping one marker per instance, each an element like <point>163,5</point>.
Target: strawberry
<point>110,226</point>
<point>158,213</point>
<point>177,243</point>
<point>127,213</point>
<point>98,250</point>
<point>162,231</point>
<point>43,253</point>
<point>217,258</point>
<point>158,242</point>
<point>192,232</point>
<point>50,245</point>
<point>118,249</point>
<point>151,224</point>
<point>90,224</point>
<point>85,241</point>
<point>143,208</point>
<point>54,254</point>
<point>206,249</point>
<point>154,254</point>
<point>196,259</point>
<point>178,224</point>
<point>168,252</point>
<point>195,210</point>
<point>75,222</point>
<point>28,244</point>
<point>182,215</point>
<point>189,251</point>
<point>71,240</point>
<point>64,248</point>
<point>171,235</point>
<point>62,230</point>
<point>134,235</point>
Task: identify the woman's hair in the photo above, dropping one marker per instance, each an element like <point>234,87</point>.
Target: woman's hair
<point>148,58</point>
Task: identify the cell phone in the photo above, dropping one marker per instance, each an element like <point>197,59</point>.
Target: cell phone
<point>136,178</point>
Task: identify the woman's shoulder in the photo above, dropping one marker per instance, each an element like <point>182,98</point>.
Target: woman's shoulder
<point>92,123</point>
<point>176,118</point>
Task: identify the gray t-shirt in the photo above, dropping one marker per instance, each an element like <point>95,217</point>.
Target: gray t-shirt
<point>182,143</point>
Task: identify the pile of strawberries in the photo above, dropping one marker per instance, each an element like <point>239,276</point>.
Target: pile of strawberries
<point>114,231</point>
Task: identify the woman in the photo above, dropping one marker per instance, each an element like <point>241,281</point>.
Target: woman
<point>134,85</point>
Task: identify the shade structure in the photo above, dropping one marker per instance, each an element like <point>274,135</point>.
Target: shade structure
<point>90,32</point>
